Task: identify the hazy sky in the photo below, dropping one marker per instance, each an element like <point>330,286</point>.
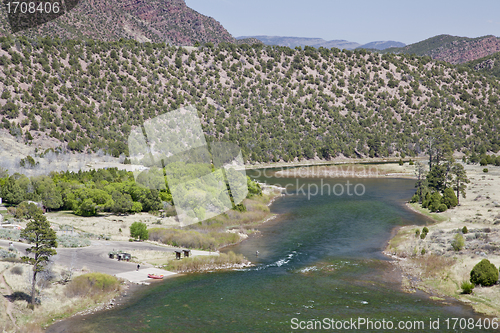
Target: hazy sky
<point>361,21</point>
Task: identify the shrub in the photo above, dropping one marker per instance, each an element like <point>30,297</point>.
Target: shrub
<point>92,284</point>
<point>449,198</point>
<point>467,287</point>
<point>423,251</point>
<point>465,230</point>
<point>6,254</point>
<point>442,208</point>
<point>417,233</point>
<point>484,274</point>
<point>485,170</point>
<point>415,198</point>
<point>9,234</point>
<point>72,241</point>
<point>139,230</point>
<point>458,242</point>
<point>424,233</point>
<point>435,202</point>
<point>483,162</point>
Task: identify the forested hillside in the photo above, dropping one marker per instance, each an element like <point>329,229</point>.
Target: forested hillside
<point>274,102</point>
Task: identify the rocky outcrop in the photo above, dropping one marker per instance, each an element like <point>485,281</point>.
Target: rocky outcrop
<point>487,64</point>
<point>452,49</point>
<point>169,21</point>
<point>466,50</point>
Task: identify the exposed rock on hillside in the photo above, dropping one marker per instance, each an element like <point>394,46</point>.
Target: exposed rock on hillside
<point>452,49</point>
<point>169,21</point>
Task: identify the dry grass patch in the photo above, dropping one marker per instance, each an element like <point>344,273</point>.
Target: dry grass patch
<point>152,257</point>
<point>433,265</point>
<point>193,239</point>
<point>92,284</point>
<point>204,263</point>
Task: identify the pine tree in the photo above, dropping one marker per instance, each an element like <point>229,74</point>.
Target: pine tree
<point>39,232</point>
<point>460,180</point>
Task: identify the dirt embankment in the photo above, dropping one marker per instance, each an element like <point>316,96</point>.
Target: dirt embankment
<point>432,264</point>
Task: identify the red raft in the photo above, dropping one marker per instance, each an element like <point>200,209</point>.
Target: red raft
<point>154,276</point>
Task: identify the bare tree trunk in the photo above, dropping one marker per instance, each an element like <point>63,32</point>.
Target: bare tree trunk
<point>33,286</point>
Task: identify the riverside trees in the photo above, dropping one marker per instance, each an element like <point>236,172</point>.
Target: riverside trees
<point>90,192</point>
<point>436,189</point>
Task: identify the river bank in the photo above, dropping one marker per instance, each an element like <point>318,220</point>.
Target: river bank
<point>431,264</point>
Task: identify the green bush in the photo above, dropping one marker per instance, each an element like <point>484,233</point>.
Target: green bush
<point>458,242</point>
<point>417,233</point>
<point>92,284</point>
<point>449,198</point>
<point>465,230</point>
<point>484,274</point>
<point>139,230</point>
<point>485,170</point>
<point>442,208</point>
<point>435,202</point>
<point>467,287</point>
<point>423,251</point>
<point>483,162</point>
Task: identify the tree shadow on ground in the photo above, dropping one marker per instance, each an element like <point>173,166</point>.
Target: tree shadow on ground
<point>18,296</point>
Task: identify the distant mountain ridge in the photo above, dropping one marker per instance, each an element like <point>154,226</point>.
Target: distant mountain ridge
<point>169,21</point>
<point>452,49</point>
<point>292,42</point>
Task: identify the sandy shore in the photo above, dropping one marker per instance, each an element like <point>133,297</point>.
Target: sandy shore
<point>441,269</point>
<point>350,170</point>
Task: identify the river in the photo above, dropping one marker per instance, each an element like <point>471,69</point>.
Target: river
<point>321,258</point>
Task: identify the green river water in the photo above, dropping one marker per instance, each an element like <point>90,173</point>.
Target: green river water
<point>321,258</point>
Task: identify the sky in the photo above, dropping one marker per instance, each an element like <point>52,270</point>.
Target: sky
<point>361,21</point>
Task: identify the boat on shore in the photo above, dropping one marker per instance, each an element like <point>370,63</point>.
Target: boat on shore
<point>154,276</point>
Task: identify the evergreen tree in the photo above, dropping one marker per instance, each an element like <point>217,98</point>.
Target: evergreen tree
<point>39,232</point>
<point>460,180</point>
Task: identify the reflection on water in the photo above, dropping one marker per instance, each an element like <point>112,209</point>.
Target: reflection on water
<point>321,258</point>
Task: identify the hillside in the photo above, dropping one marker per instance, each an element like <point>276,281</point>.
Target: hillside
<point>169,21</point>
<point>452,49</point>
<point>489,65</point>
<point>382,45</point>
<point>276,103</point>
<point>292,42</point>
